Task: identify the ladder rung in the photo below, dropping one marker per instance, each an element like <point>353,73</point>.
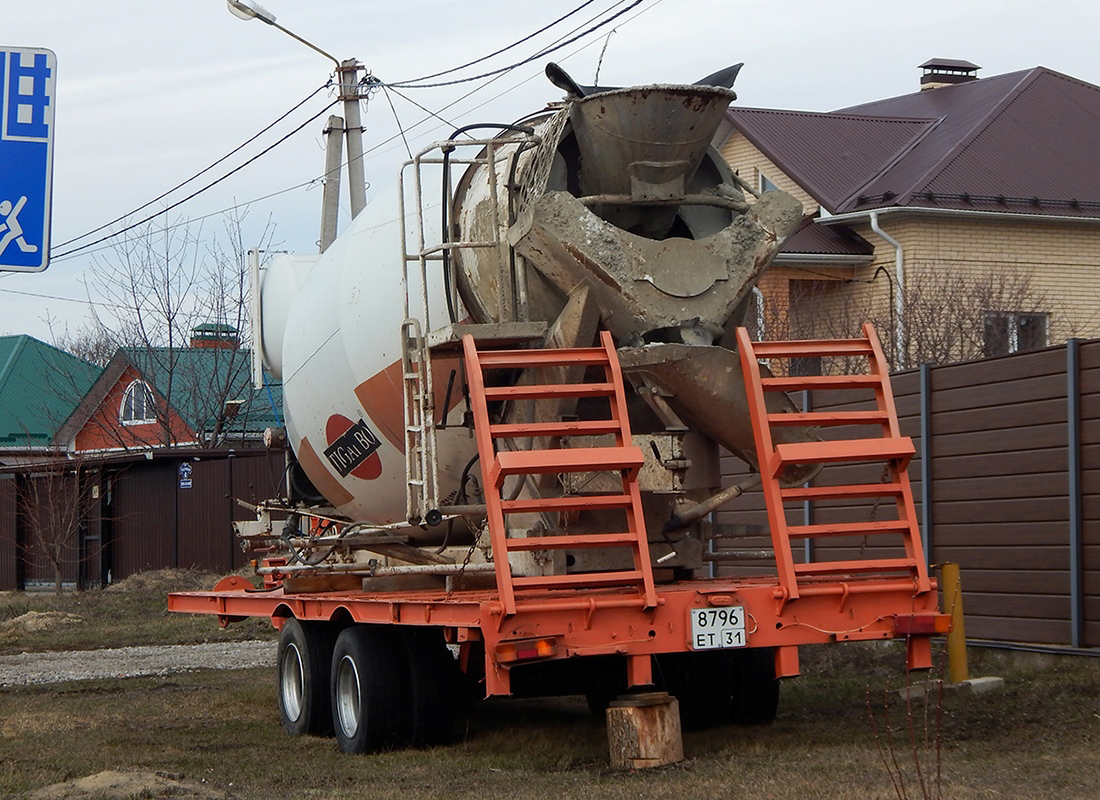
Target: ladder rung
<point>565,541</point>
<point>586,427</point>
<point>841,491</point>
<point>794,383</point>
<point>554,357</point>
<point>577,579</point>
<point>811,347</point>
<point>847,529</point>
<point>840,567</point>
<point>830,418</point>
<point>541,391</point>
<point>568,503</point>
<point>890,447</point>
<point>569,459</point>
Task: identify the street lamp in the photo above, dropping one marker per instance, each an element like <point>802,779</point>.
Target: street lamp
<point>249,9</point>
<point>347,73</point>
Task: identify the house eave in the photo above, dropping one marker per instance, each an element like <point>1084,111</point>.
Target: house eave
<point>865,215</point>
<point>822,260</point>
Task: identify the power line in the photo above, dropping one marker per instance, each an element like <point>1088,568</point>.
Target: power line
<point>192,220</point>
<point>197,192</point>
<point>86,301</point>
<point>495,75</point>
<point>201,172</point>
<point>501,50</point>
<point>544,52</point>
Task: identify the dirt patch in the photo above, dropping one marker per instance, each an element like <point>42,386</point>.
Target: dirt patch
<point>163,581</point>
<point>115,785</point>
<point>37,621</point>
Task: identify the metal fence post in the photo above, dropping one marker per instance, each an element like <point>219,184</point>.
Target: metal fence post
<point>1073,468</point>
<point>926,458</point>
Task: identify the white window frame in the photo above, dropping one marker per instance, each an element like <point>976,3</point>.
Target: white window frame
<point>129,397</point>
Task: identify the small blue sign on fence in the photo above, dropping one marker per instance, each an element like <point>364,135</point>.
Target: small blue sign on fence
<point>28,80</point>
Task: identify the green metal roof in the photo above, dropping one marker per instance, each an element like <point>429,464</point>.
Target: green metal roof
<point>196,381</point>
<point>40,386</point>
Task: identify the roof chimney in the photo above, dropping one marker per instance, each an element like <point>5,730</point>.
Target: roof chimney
<point>940,72</point>
<point>213,334</point>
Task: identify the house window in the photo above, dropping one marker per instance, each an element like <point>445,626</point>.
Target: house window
<point>766,185</point>
<point>1012,332</point>
<point>138,406</point>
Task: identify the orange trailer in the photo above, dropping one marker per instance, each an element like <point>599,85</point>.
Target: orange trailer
<point>387,667</point>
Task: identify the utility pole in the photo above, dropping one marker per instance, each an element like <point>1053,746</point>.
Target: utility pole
<point>348,73</point>
<point>330,199</point>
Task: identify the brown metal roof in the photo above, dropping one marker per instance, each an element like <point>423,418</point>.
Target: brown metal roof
<point>1023,142</point>
<point>829,155</point>
<point>818,240</point>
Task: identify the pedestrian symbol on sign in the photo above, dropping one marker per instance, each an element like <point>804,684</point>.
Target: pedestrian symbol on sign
<point>28,80</point>
<point>10,231</point>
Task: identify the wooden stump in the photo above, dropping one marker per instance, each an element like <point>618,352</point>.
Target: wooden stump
<point>643,730</point>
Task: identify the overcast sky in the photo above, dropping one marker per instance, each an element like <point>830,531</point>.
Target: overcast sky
<point>152,91</point>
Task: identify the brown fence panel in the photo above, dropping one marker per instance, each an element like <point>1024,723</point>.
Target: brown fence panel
<point>1000,438</point>
<point>11,567</point>
<point>203,515</point>
<point>143,518</point>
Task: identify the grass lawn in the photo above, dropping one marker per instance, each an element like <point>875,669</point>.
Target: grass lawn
<point>838,734</point>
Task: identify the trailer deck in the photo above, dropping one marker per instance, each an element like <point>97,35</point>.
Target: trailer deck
<point>689,616</point>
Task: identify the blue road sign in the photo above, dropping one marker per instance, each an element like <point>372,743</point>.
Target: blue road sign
<point>28,80</point>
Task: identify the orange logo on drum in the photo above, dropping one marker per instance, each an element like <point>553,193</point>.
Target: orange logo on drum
<point>353,448</point>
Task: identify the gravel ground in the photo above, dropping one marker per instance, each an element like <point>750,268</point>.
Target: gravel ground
<point>27,669</point>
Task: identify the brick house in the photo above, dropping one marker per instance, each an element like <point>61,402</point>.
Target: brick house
<point>963,218</point>
<point>195,396</point>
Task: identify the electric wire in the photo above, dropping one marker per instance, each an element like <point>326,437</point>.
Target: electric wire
<point>541,53</point>
<point>201,172</point>
<point>197,192</point>
<point>501,50</point>
<point>495,75</point>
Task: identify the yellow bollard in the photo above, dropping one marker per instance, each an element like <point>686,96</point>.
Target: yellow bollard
<point>957,668</point>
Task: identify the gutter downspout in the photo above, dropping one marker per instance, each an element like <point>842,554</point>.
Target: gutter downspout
<point>899,293</point>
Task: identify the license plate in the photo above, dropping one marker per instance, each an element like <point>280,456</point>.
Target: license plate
<point>713,628</point>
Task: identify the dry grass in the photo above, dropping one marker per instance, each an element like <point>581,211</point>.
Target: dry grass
<point>1036,739</point>
<point>130,612</point>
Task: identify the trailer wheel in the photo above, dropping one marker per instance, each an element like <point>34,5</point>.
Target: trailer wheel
<point>755,688</point>
<point>366,689</point>
<point>304,663</point>
<point>433,688</point>
<point>700,682</point>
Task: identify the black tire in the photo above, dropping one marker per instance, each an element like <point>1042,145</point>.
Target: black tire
<point>367,689</point>
<point>700,682</point>
<point>755,687</point>
<point>428,717</point>
<point>304,663</point>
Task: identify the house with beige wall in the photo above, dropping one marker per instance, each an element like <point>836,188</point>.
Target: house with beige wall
<point>963,219</point>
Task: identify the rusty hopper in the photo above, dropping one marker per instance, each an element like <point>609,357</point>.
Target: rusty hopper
<point>626,197</point>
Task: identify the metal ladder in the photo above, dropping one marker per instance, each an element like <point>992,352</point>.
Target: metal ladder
<point>421,462</point>
<point>500,463</point>
<point>891,448</point>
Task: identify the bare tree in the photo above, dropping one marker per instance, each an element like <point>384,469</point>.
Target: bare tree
<point>54,498</point>
<point>148,295</point>
<point>91,341</point>
<point>944,315</point>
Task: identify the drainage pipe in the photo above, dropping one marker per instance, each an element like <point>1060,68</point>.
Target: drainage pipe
<point>899,292</point>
